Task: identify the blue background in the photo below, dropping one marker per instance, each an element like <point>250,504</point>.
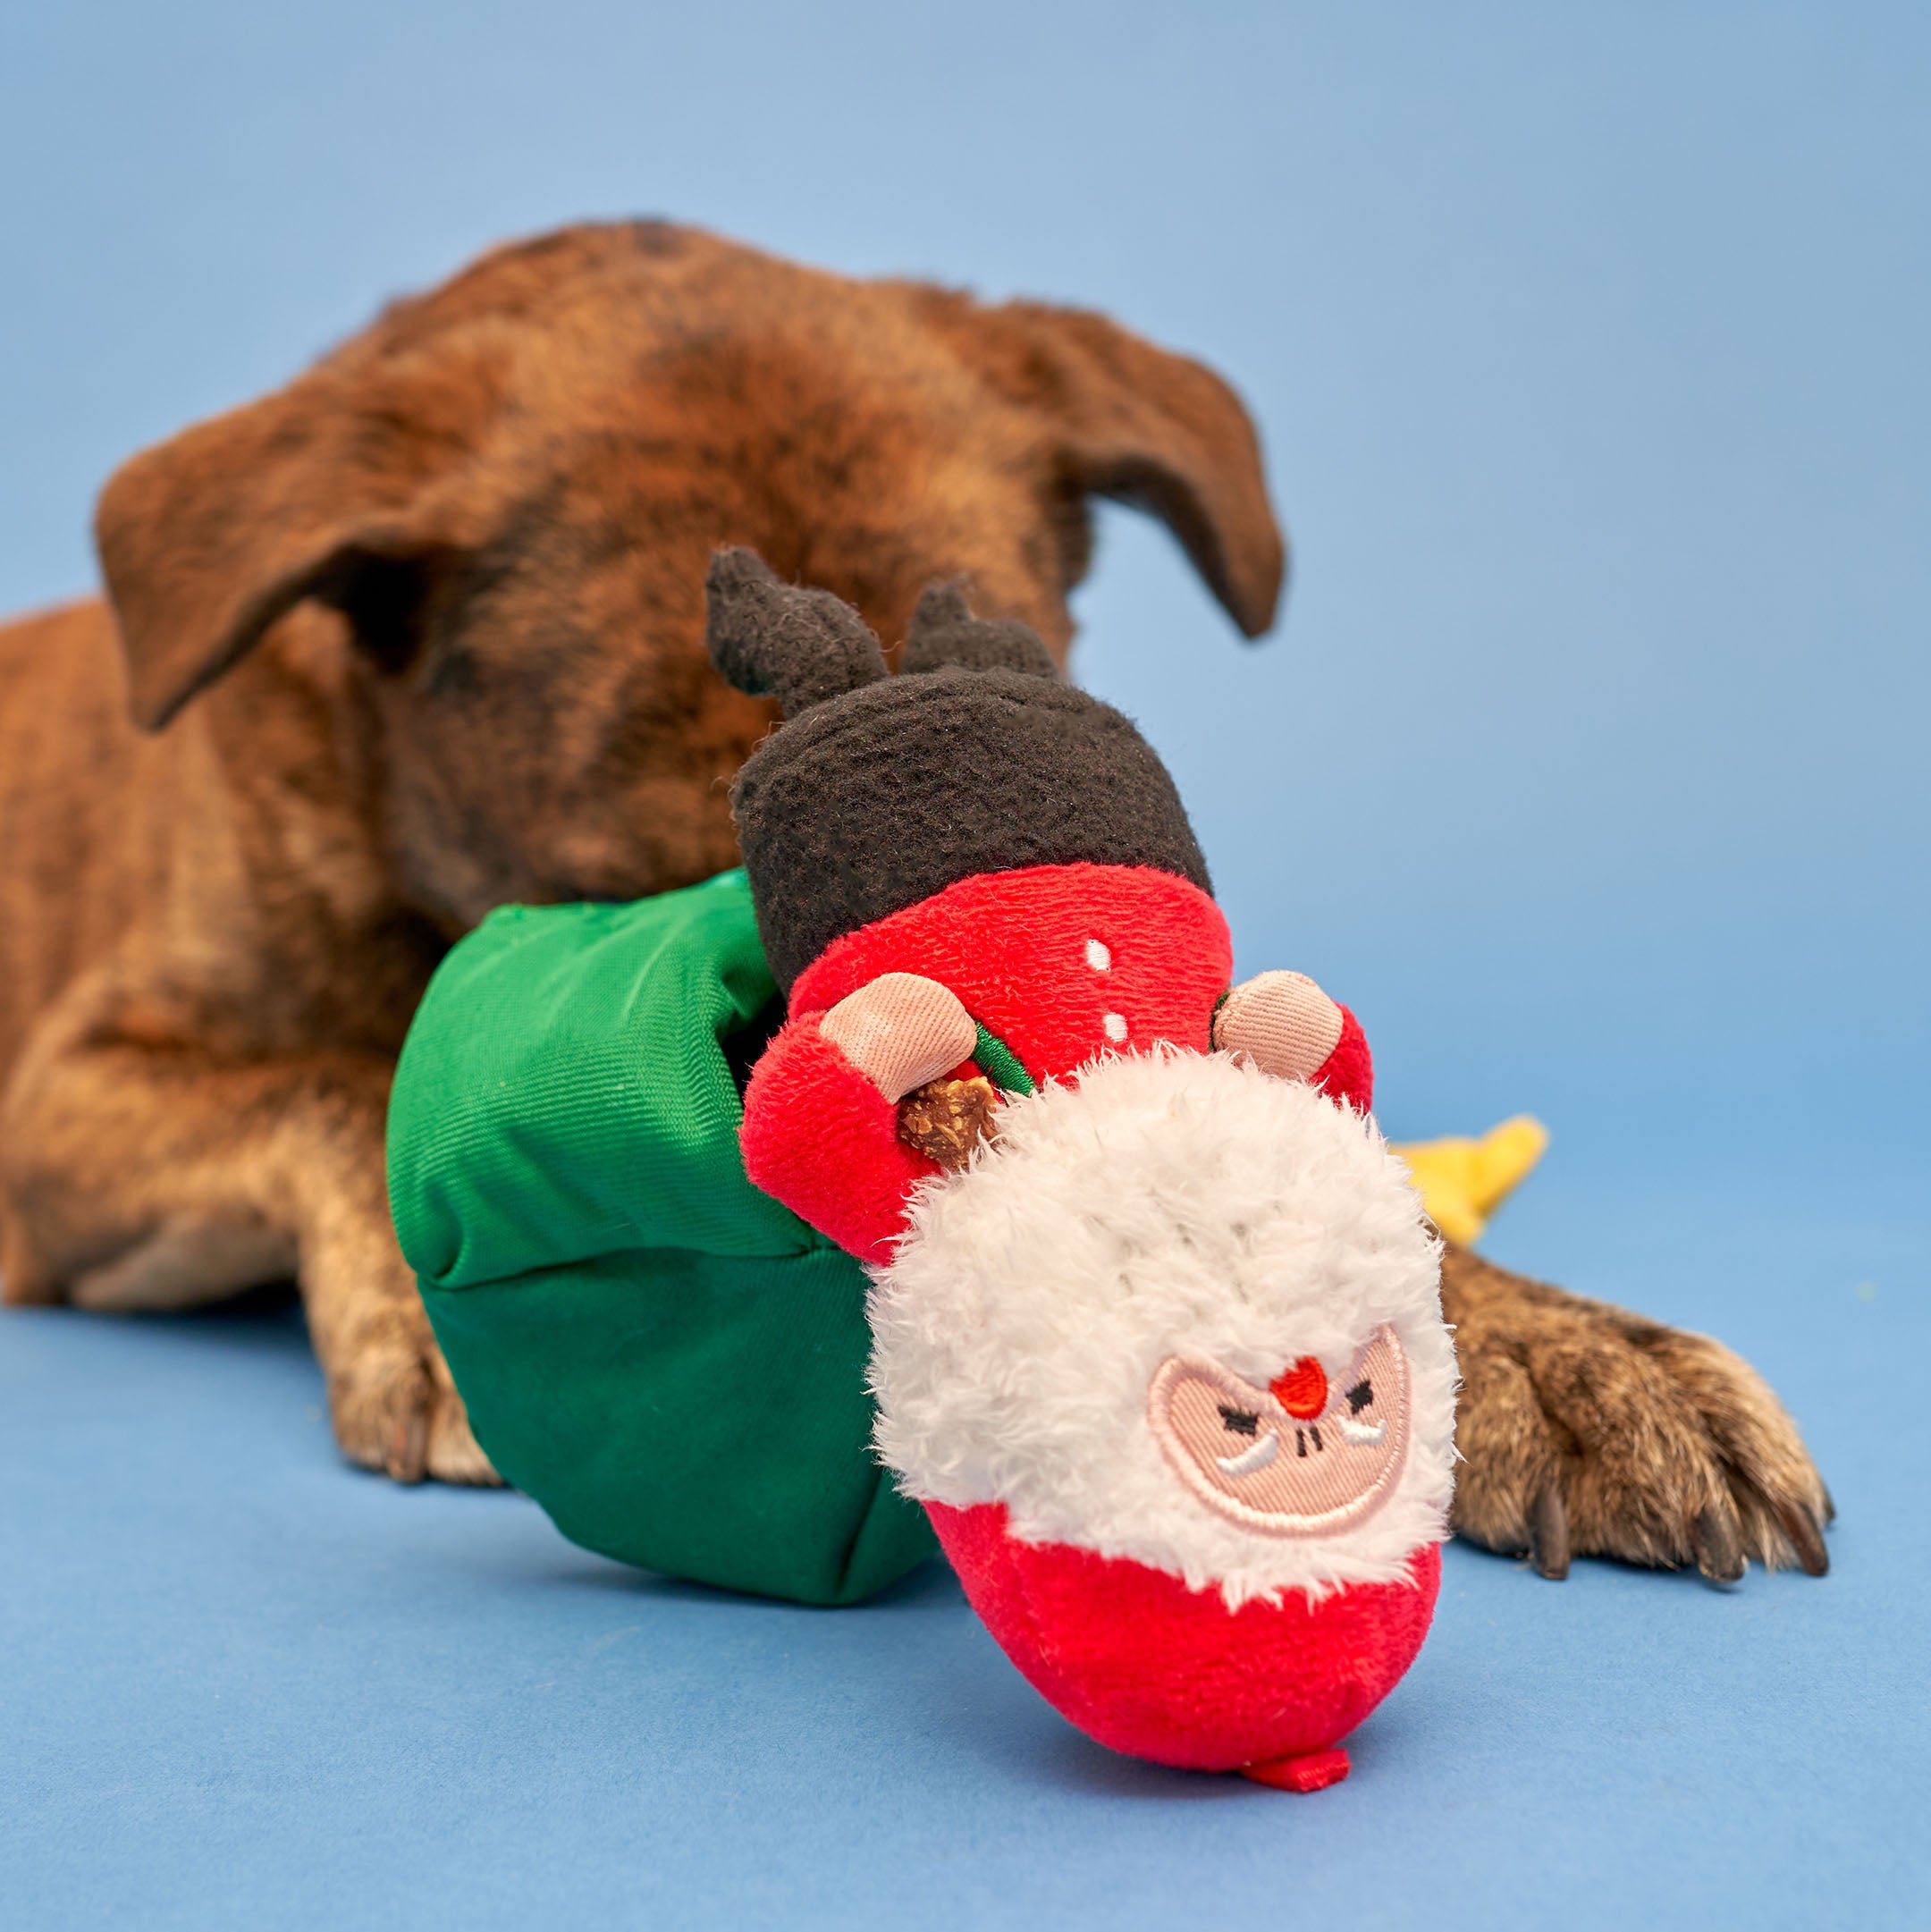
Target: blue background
<point>1589,347</point>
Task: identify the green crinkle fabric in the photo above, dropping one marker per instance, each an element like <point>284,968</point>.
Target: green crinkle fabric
<point>667,1360</point>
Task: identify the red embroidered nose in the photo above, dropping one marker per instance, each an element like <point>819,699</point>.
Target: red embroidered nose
<point>1302,1389</point>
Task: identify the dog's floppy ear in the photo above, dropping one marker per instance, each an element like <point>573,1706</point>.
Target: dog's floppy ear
<point>1139,424</point>
<point>337,487</point>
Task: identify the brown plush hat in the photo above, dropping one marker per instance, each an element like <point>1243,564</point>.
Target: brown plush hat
<point>879,791</point>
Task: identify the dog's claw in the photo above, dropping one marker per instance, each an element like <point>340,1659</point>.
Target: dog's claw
<point>1549,1533</point>
<point>1718,1542</point>
<point>408,1460</point>
<point>399,1413</point>
<point>1806,1537</point>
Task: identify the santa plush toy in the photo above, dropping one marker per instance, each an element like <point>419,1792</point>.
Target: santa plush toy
<point>1158,1339</point>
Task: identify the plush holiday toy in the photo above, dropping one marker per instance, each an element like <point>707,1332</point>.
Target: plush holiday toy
<point>1157,1333</point>
<point>1152,1323</point>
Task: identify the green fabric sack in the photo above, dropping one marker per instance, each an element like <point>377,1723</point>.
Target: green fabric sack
<point>667,1360</point>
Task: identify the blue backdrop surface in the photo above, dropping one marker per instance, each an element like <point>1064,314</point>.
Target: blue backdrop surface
<point>1588,348</point>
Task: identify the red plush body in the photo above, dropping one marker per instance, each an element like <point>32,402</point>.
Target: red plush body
<point>1147,1665</point>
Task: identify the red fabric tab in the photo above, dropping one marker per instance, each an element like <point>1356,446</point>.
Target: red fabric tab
<point>1314,1772</point>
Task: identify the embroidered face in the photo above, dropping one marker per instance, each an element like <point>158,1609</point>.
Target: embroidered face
<point>1186,1227</point>
<point>1305,1456</point>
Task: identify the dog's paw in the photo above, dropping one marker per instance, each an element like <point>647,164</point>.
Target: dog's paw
<point>395,1409</point>
<point>1587,1430</point>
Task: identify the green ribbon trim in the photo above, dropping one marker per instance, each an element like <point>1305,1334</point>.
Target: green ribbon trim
<point>1000,1064</point>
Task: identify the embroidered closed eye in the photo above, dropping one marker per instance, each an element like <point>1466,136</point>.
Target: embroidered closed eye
<point>1241,1422</point>
<point>1248,1461</point>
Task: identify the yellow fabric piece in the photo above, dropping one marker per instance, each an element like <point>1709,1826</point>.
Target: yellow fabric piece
<point>1463,1182</point>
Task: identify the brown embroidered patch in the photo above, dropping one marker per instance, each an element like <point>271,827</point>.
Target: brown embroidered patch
<point>1278,1469</point>
<point>946,1119</point>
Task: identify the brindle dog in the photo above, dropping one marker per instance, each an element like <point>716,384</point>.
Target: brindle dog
<point>423,632</point>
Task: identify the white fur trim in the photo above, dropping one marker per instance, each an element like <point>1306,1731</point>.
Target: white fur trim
<point>1158,1205</point>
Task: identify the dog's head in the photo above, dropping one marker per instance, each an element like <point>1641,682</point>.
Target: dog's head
<point>477,533</point>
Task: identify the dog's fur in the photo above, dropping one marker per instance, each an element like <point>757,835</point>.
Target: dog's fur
<point>431,619</point>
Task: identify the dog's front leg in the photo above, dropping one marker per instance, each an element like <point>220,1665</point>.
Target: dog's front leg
<point>137,1176</point>
<point>1587,1431</point>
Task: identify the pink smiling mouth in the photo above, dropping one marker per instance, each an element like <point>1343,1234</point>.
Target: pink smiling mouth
<point>1323,1466</point>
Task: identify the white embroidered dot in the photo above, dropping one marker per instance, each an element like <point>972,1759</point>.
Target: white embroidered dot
<point>1116,1026</point>
<point>1099,955</point>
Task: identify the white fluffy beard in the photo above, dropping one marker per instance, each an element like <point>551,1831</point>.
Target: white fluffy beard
<point>1155,1205</point>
